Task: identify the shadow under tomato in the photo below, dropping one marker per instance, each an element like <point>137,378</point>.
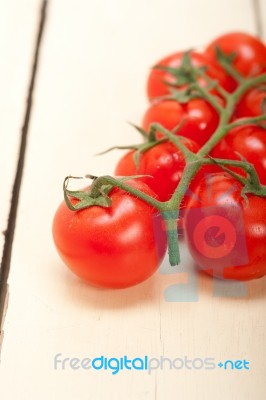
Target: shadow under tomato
<point>80,292</point>
<point>152,291</point>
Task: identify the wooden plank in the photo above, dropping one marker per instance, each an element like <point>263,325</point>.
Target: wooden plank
<point>94,64</point>
<point>17,31</point>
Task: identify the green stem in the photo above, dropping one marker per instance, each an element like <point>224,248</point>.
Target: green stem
<point>208,96</point>
<point>129,147</point>
<point>109,180</point>
<point>189,172</point>
<point>222,92</point>
<point>252,185</point>
<point>246,85</point>
<point>232,71</point>
<point>247,121</point>
<point>171,224</point>
<point>194,162</point>
<point>170,208</point>
<point>226,114</point>
<point>177,140</point>
<point>212,142</point>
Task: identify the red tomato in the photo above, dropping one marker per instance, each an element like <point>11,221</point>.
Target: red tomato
<point>156,85</point>
<point>226,237</point>
<point>250,52</point>
<point>112,247</point>
<point>250,142</point>
<point>201,119</point>
<point>251,103</point>
<point>164,163</point>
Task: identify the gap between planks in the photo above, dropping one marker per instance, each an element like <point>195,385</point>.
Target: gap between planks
<point>9,233</point>
<point>258,20</point>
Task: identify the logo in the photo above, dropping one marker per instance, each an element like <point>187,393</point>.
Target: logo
<point>216,237</point>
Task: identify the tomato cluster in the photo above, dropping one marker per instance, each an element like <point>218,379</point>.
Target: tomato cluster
<point>116,246</point>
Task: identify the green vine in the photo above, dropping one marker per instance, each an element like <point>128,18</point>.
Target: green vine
<point>186,74</point>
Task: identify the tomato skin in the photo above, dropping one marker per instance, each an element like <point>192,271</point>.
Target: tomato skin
<point>163,162</point>
<point>110,247</point>
<point>250,52</point>
<point>200,118</point>
<point>157,87</point>
<point>250,142</point>
<point>217,191</point>
<point>251,103</point>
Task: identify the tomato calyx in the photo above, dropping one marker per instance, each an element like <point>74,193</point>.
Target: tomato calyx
<point>187,86</point>
<point>191,92</point>
<point>185,74</point>
<point>179,95</point>
<point>226,62</point>
<point>224,58</point>
<point>91,197</point>
<point>98,193</point>
<point>150,141</point>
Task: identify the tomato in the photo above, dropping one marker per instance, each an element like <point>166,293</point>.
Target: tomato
<point>250,52</point>
<point>200,118</point>
<point>250,142</point>
<point>251,104</point>
<point>113,247</point>
<point>158,80</point>
<point>226,237</point>
<point>164,164</point>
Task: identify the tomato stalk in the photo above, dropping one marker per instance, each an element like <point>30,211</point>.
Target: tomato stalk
<point>247,121</point>
<point>195,161</point>
<point>205,94</point>
<point>251,185</point>
<point>185,73</point>
<point>170,218</point>
<point>98,193</point>
<point>113,182</point>
<point>227,112</point>
<point>188,155</point>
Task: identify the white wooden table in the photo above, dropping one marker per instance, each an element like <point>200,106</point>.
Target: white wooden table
<point>93,63</point>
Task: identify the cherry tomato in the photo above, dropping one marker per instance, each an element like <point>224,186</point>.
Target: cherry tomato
<point>164,164</point>
<point>200,118</point>
<point>226,237</point>
<point>252,103</point>
<point>250,52</point>
<point>250,142</point>
<point>113,247</point>
<point>158,80</point>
